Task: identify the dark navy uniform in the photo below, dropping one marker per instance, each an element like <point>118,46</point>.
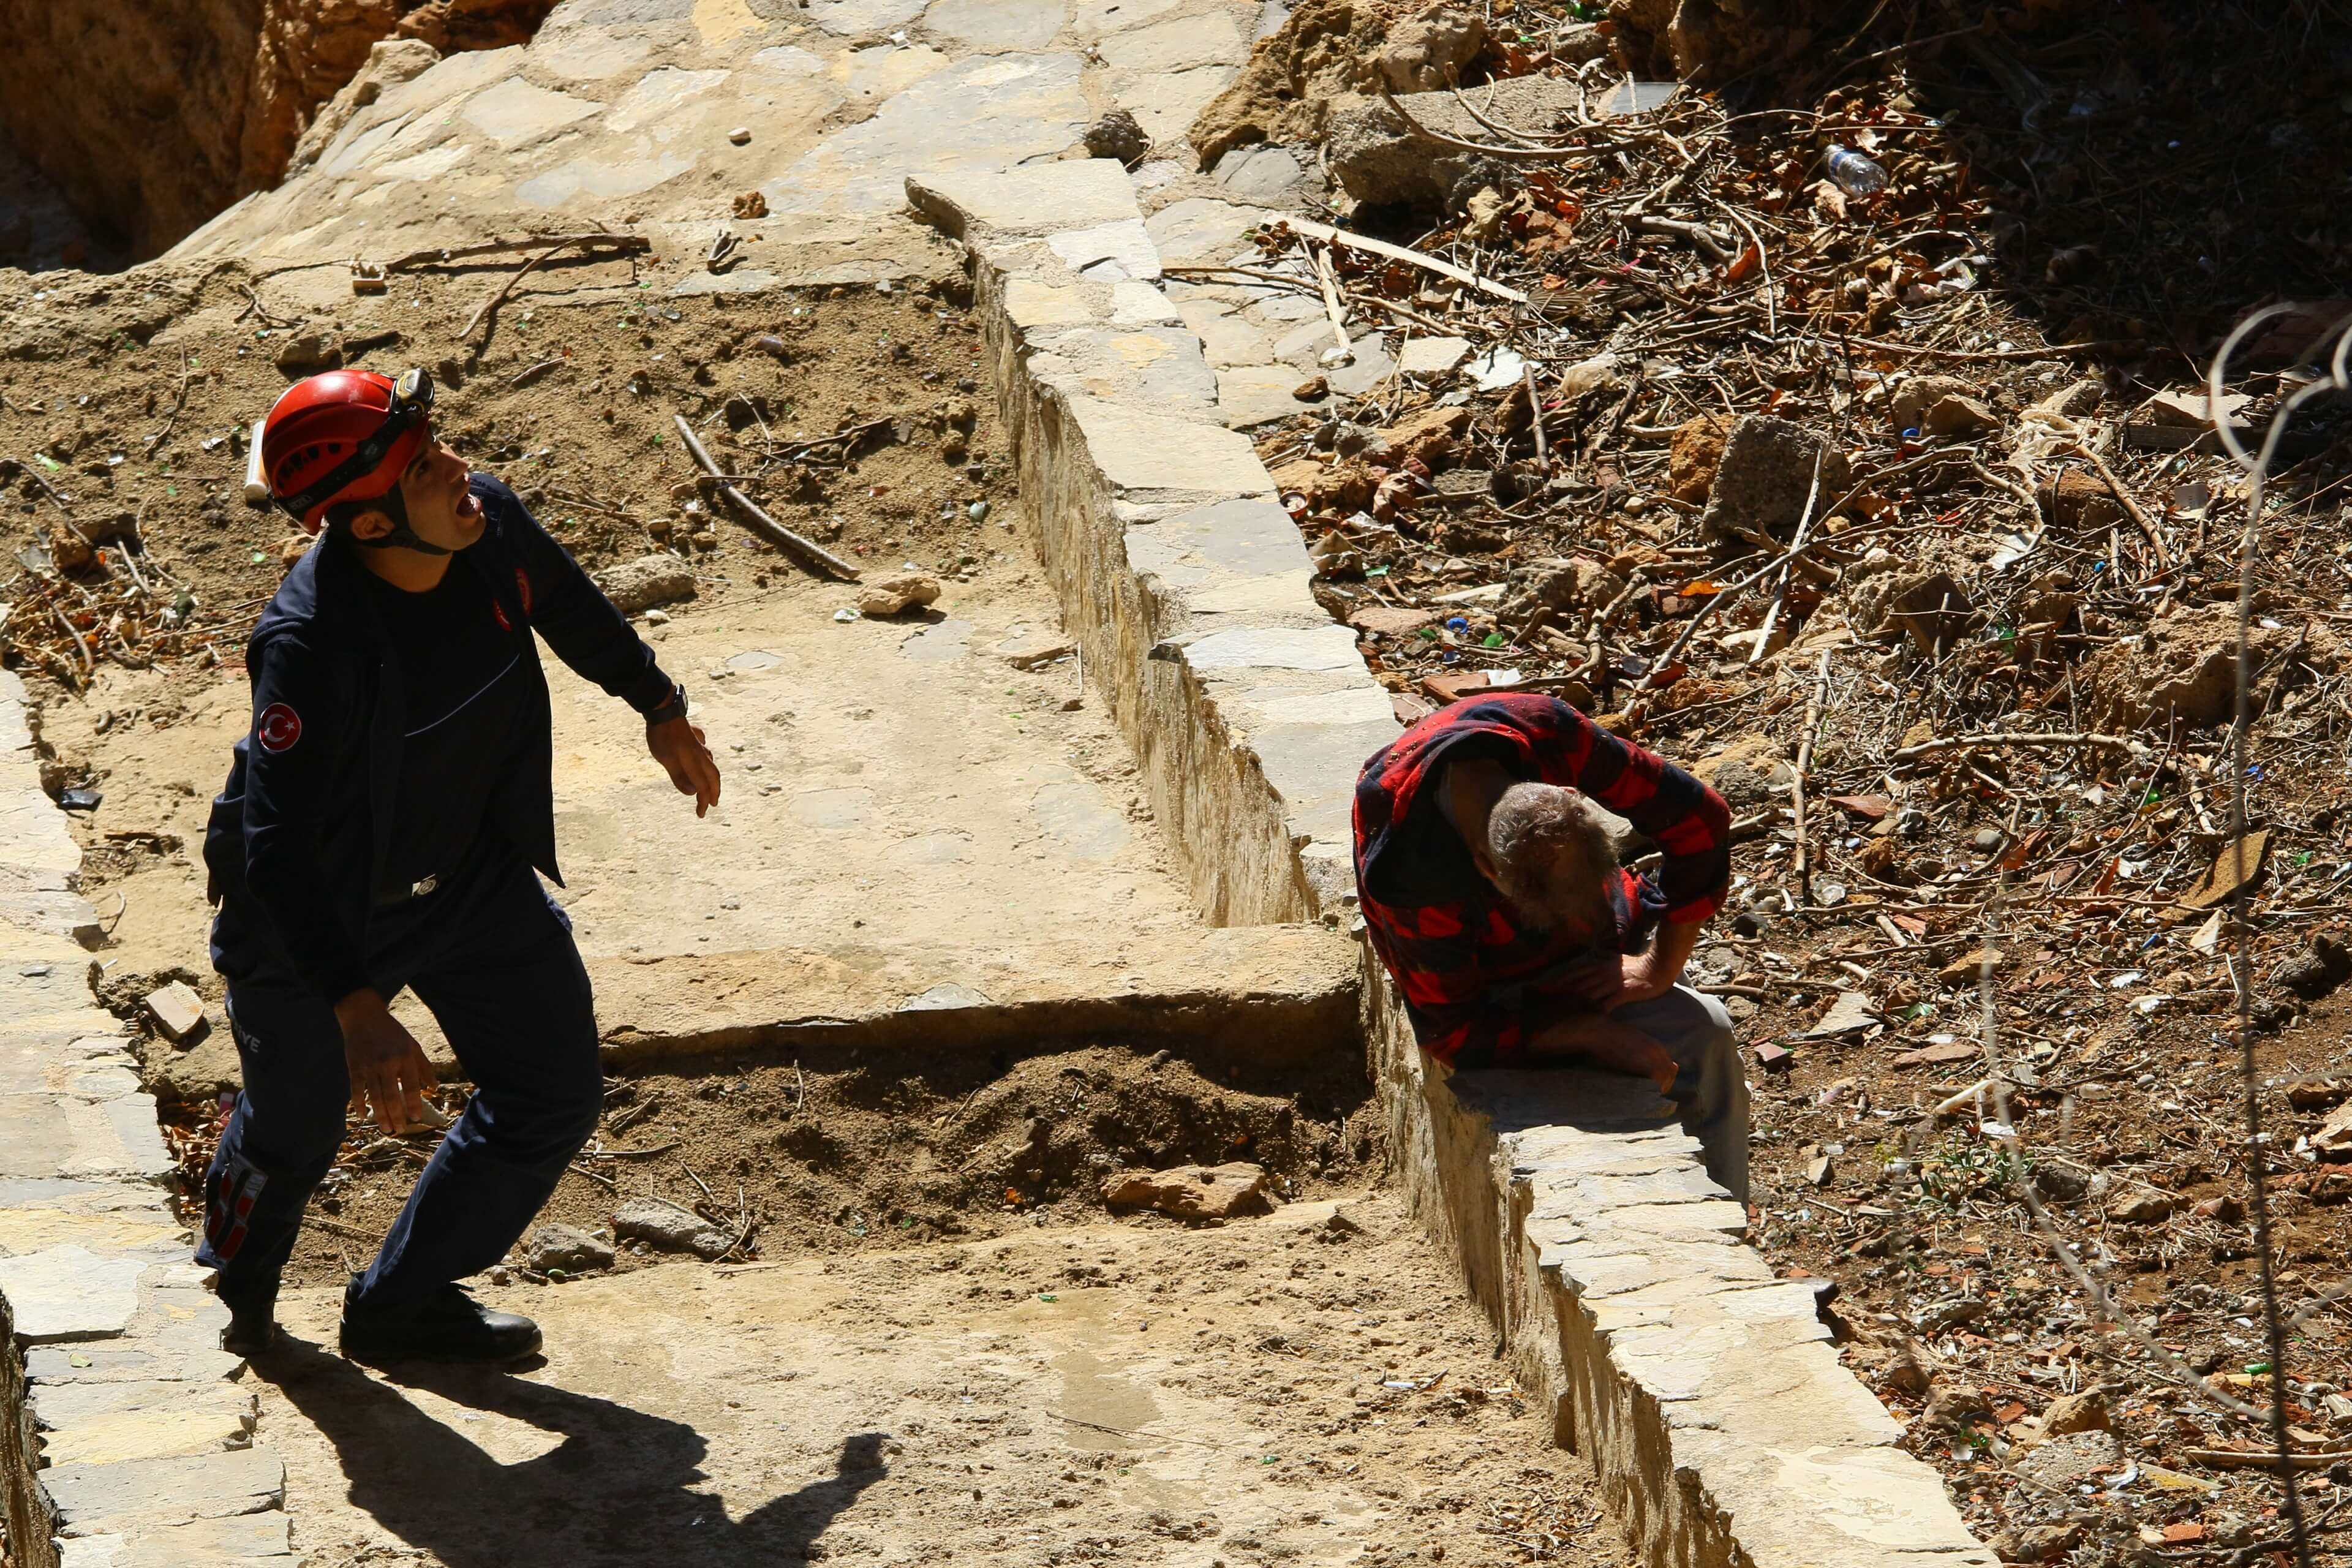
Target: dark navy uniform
<point>385,825</point>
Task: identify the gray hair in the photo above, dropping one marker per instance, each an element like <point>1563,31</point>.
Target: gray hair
<point>1552,854</point>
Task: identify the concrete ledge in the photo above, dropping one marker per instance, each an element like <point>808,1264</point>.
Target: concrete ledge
<point>1271,994</point>
<point>1703,1390</point>
<point>1186,583</point>
<point>122,1446</point>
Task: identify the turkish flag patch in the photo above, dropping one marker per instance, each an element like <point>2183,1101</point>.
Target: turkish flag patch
<point>279,728</point>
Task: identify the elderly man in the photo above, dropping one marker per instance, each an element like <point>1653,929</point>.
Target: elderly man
<point>1493,896</point>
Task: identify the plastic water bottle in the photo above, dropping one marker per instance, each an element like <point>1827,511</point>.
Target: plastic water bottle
<point>1855,175</point>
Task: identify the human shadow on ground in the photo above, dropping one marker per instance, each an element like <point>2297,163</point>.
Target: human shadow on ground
<point>619,1489</point>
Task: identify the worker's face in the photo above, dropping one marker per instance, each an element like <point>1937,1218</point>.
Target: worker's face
<point>441,510</point>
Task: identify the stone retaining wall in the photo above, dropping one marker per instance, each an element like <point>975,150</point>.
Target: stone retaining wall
<point>1179,572</point>
<point>1703,1390</point>
<point>123,1444</point>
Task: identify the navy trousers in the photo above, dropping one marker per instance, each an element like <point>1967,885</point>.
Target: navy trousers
<point>491,956</point>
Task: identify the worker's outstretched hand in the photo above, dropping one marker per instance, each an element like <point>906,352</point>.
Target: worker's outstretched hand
<point>679,748</point>
<point>388,1070</point>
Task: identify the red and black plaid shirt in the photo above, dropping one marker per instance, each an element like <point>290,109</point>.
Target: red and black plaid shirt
<point>1476,984</point>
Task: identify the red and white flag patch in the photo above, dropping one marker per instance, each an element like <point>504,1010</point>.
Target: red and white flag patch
<point>278,728</point>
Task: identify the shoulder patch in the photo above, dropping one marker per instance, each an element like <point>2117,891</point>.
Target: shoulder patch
<point>278,728</point>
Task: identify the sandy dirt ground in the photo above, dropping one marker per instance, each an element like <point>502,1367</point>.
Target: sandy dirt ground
<point>1307,1388</point>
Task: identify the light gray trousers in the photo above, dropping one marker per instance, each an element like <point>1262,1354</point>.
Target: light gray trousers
<point>1710,1083</point>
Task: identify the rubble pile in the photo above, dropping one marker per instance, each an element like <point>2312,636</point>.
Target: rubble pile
<point>1769,433</point>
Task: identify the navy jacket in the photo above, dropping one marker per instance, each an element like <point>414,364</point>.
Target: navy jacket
<point>297,841</point>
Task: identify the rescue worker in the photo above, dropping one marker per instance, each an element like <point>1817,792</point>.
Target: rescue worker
<point>385,824</point>
<point>1491,891</point>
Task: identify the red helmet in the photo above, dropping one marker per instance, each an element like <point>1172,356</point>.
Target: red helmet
<point>344,435</point>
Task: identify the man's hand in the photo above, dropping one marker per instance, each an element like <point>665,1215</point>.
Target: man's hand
<point>678,747</point>
<point>1610,980</point>
<point>388,1068</point>
<point>1603,1041</point>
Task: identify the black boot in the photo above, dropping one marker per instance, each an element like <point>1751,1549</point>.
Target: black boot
<point>448,1326</point>
<point>252,1323</point>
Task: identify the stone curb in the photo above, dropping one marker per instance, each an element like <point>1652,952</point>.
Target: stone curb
<point>1179,572</point>
<point>1702,1389</point>
<point>123,1444</point>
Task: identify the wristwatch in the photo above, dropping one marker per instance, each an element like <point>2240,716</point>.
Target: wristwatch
<point>672,707</point>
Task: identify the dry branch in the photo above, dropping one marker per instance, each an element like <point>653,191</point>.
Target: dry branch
<point>807,552</point>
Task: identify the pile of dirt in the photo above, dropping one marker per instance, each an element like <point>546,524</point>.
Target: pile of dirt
<point>1326,50</point>
<point>846,1151</point>
<point>134,402</point>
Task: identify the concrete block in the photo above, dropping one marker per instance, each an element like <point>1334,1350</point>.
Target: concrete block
<point>69,1293</point>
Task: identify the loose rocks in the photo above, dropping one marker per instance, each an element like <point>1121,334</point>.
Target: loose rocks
<point>311,354</point>
<point>640,584</point>
<point>2141,1207</point>
<point>1766,474</point>
<point>1117,135</point>
<point>562,1248</point>
<point>1697,450</point>
<point>2084,1411</point>
<point>178,1010</point>
<point>2035,1542</point>
<point>1751,773</point>
<point>2185,667</point>
<point>2317,969</point>
<point>662,1224</point>
<point>1191,1192</point>
<point>896,595</point>
<point>2065,1463</point>
<point>1956,1406</point>
<point>1428,52</point>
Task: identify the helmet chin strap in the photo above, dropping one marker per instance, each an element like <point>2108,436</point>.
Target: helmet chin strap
<point>400,536</point>
<point>403,537</point>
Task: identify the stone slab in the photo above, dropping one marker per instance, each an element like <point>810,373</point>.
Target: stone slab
<point>69,1293</point>
<point>147,1435</point>
<point>1251,394</point>
<point>1124,244</point>
<point>1139,452</point>
<point>1044,198</point>
<point>1703,1389</point>
<point>992,26</point>
<point>99,1499</point>
<point>241,1540</point>
<point>1206,40</point>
